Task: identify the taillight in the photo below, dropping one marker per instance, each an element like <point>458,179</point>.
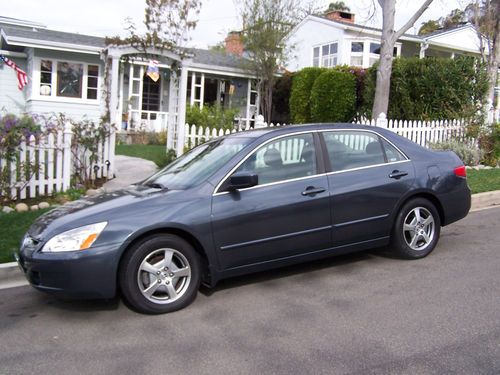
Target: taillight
<point>460,171</point>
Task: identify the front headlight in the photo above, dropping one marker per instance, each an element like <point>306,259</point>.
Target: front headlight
<point>75,239</point>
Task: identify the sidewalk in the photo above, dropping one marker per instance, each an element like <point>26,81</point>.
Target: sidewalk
<point>128,171</point>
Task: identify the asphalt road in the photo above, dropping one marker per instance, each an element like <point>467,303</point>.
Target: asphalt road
<point>356,314</point>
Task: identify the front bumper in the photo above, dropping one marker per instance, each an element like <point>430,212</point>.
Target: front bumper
<point>82,274</point>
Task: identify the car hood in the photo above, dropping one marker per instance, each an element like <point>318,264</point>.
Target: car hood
<point>103,207</point>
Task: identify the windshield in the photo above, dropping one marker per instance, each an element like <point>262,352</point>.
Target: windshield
<point>198,164</point>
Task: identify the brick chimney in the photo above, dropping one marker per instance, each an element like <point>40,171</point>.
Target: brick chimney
<point>234,45</point>
<point>337,15</point>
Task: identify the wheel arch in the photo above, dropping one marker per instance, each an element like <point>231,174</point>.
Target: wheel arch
<point>207,263</point>
<point>425,195</point>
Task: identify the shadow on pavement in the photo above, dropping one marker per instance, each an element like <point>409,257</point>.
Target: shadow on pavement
<point>297,269</point>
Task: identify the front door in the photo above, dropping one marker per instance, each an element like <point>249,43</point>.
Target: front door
<point>286,214</point>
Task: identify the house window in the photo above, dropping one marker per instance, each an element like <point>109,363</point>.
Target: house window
<point>325,56</point>
<point>92,81</point>
<point>45,77</point>
<point>316,56</point>
<point>329,55</point>
<point>69,79</point>
<point>357,53</point>
<point>375,52</point>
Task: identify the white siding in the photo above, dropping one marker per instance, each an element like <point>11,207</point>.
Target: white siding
<point>12,100</point>
<point>465,38</point>
<point>74,108</point>
<point>312,33</point>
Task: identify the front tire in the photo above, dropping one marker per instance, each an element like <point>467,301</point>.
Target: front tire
<point>161,274</point>
<point>416,229</point>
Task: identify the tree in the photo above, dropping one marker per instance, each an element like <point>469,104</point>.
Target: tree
<point>429,27</point>
<point>340,6</point>
<point>388,41</point>
<point>454,18</point>
<point>266,24</point>
<point>168,23</point>
<point>485,16</point>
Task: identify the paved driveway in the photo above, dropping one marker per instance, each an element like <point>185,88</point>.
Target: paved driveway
<point>362,313</point>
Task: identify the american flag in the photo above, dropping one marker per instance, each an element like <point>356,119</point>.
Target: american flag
<point>22,77</point>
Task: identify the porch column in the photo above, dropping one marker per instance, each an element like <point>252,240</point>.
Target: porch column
<point>113,94</point>
<point>173,101</point>
<point>181,112</point>
<point>423,47</point>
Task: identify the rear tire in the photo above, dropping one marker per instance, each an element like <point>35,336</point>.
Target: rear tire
<point>416,229</point>
<point>161,274</point>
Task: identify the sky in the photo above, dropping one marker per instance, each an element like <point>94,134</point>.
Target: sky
<point>216,19</point>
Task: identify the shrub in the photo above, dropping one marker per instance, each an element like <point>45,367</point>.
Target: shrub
<point>468,153</point>
<point>302,84</point>
<point>281,99</point>
<point>333,97</point>
<point>211,116</point>
<point>489,142</point>
<point>13,131</point>
<point>157,138</point>
<point>431,88</point>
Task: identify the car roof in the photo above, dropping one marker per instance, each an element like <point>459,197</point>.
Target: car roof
<point>256,133</point>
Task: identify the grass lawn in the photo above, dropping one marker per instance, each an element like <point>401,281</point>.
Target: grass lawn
<point>155,153</point>
<point>12,229</point>
<point>483,180</point>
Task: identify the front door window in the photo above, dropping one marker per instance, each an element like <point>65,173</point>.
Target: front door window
<point>151,94</point>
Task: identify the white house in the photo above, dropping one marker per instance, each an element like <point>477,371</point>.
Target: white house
<point>66,73</point>
<point>335,39</point>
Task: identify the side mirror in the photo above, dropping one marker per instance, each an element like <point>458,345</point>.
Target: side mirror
<point>242,180</point>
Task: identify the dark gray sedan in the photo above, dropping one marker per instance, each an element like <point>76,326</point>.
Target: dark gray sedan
<point>243,203</point>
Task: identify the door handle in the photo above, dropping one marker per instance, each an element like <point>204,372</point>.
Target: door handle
<point>398,174</point>
<point>311,190</point>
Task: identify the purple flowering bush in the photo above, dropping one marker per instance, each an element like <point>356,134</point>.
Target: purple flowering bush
<point>86,138</point>
<point>13,131</point>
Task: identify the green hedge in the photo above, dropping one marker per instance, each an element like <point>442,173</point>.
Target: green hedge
<point>302,84</point>
<point>431,88</point>
<point>333,97</point>
<point>211,116</point>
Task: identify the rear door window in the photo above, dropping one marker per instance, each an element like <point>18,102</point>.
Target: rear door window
<point>353,149</point>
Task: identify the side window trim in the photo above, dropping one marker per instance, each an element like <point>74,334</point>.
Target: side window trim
<point>320,162</point>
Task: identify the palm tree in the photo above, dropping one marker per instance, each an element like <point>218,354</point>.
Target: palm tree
<point>339,5</point>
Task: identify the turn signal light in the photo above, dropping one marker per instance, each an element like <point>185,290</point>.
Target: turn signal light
<point>460,171</point>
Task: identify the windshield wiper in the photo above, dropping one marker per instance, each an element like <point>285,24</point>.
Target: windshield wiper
<point>156,185</point>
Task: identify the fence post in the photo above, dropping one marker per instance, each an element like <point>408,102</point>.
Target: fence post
<point>381,121</point>
<point>111,152</point>
<point>259,122</point>
<point>67,156</point>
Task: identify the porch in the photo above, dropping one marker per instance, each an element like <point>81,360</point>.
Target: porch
<point>154,103</point>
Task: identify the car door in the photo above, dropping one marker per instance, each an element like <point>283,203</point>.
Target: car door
<point>286,214</point>
<point>368,177</point>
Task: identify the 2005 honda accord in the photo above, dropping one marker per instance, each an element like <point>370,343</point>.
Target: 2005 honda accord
<point>247,202</point>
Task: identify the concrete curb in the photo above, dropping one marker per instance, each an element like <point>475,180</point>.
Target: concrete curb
<point>485,200</point>
<point>11,276</point>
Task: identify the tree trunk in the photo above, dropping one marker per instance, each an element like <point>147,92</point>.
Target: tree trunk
<point>494,56</point>
<point>388,40</point>
<point>384,70</point>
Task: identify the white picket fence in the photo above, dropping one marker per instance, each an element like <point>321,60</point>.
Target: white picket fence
<point>422,132</point>
<point>195,135</point>
<point>55,160</point>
